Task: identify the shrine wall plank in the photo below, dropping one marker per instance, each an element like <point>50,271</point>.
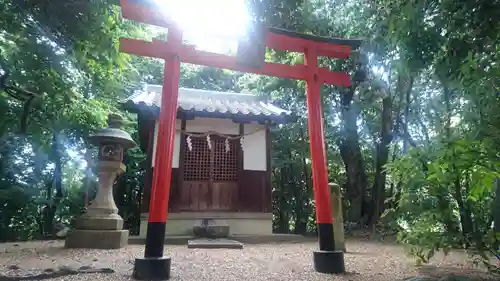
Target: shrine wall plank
<point>177,140</point>
<point>253,192</point>
<point>254,147</point>
<point>174,190</point>
<point>146,131</point>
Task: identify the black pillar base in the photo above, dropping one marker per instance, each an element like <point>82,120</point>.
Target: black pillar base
<point>329,261</point>
<point>152,268</point>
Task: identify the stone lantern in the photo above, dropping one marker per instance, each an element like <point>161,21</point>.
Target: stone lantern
<point>101,227</point>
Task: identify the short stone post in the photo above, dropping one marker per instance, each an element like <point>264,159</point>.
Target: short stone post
<point>101,227</point>
<point>338,220</point>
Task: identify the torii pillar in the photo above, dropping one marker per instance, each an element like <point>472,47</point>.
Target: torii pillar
<point>154,266</point>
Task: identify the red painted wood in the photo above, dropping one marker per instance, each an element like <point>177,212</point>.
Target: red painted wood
<point>274,41</point>
<point>326,76</point>
<point>317,142</point>
<point>145,15</point>
<point>159,49</point>
<point>174,52</point>
<point>162,175</point>
<point>229,62</point>
<point>299,45</point>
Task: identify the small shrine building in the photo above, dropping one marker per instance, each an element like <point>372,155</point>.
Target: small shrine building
<point>221,162</point>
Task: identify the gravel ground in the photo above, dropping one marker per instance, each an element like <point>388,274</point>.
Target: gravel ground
<point>293,261</point>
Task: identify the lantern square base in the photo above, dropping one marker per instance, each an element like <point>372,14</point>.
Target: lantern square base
<point>329,262</point>
<point>152,268</point>
<point>111,222</point>
<point>97,239</point>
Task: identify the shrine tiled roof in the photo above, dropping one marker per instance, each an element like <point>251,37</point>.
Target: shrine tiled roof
<point>203,103</point>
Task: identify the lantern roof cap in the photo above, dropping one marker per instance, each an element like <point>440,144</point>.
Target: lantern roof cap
<point>113,134</point>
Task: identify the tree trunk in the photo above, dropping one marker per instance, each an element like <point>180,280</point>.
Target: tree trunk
<point>401,129</point>
<point>496,216</point>
<point>496,207</point>
<point>407,115</point>
<point>350,152</point>
<point>300,211</point>
<point>394,189</point>
<point>57,171</point>
<point>382,156</point>
<point>297,190</point>
<point>37,179</point>
<point>449,220</point>
<point>49,211</point>
<point>283,222</point>
<point>301,221</point>
<point>465,216</point>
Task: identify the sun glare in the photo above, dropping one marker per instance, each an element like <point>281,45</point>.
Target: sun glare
<point>213,25</point>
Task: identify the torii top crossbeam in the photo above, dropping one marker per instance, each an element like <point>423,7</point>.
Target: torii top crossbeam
<point>251,60</point>
<point>277,39</point>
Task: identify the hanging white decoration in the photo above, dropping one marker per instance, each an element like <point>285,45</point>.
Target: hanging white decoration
<point>189,143</point>
<point>209,143</point>
<point>242,143</point>
<point>226,144</point>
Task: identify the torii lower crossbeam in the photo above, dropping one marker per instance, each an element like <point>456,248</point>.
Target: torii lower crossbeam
<point>188,54</point>
<point>154,265</point>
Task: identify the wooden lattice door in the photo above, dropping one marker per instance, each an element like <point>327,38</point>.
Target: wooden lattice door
<point>210,178</point>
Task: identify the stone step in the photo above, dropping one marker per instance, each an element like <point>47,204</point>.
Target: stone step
<point>247,239</point>
<point>211,231</point>
<point>221,243</point>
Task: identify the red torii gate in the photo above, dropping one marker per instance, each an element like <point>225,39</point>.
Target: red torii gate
<point>154,265</point>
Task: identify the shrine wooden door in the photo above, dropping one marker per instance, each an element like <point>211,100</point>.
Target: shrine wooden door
<point>210,176</point>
